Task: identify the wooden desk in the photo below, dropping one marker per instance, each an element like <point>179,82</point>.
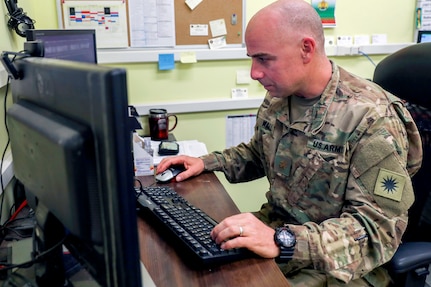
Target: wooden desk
<point>168,269</point>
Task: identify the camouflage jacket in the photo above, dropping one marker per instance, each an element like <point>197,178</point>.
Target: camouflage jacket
<point>339,175</point>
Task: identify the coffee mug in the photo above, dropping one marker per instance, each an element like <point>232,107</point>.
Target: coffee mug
<point>158,120</point>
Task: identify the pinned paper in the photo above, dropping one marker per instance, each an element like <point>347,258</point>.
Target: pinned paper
<point>217,43</point>
<point>188,57</point>
<point>218,27</point>
<point>193,3</point>
<point>198,30</point>
<point>166,62</point>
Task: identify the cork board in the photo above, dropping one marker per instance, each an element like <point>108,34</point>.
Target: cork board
<point>203,13</point>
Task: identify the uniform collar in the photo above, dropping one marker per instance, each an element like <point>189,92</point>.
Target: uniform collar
<point>320,109</point>
<point>279,107</point>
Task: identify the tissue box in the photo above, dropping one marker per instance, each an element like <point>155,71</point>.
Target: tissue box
<point>143,160</point>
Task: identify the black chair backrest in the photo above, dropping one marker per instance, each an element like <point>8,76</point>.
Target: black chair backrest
<point>407,74</point>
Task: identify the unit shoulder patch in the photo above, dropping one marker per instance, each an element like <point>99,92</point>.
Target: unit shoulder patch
<point>390,184</point>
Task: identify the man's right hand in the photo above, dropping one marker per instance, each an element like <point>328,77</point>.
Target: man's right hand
<point>193,166</point>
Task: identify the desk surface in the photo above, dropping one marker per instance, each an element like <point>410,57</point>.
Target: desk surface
<point>167,268</point>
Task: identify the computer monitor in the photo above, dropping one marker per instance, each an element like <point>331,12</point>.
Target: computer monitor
<point>424,36</point>
<point>68,44</point>
<point>71,148</point>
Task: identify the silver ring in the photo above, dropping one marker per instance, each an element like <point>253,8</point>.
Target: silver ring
<point>241,231</point>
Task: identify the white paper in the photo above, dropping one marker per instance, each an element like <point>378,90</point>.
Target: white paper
<point>110,27</point>
<point>218,27</point>
<point>144,163</point>
<point>216,43</point>
<point>239,129</point>
<point>198,30</point>
<point>152,23</point>
<point>189,147</point>
<point>239,93</point>
<point>193,3</point>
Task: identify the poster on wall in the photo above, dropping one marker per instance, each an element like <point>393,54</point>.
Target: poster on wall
<point>107,18</point>
<point>326,11</point>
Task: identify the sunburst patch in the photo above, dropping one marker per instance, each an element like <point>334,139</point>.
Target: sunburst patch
<point>390,184</point>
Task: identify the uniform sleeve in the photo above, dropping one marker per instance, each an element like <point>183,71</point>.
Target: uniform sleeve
<point>378,194</point>
<point>239,164</point>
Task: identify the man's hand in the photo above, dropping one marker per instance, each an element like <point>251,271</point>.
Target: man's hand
<point>193,166</point>
<point>245,230</point>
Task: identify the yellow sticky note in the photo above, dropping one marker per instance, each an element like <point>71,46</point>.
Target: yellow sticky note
<point>188,57</point>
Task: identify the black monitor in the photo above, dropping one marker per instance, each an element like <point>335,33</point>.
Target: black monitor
<point>424,36</point>
<point>71,148</point>
<point>68,44</point>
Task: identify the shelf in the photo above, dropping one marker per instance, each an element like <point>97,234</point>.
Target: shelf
<point>201,106</point>
<point>137,55</point>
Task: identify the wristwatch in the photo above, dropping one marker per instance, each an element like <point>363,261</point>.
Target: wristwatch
<point>286,240</point>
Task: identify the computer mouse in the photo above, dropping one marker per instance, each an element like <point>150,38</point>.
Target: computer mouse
<point>169,174</point>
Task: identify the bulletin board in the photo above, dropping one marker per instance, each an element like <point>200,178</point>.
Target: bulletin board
<point>206,11</point>
<point>124,24</point>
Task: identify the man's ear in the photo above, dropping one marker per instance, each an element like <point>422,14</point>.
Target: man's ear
<point>308,48</point>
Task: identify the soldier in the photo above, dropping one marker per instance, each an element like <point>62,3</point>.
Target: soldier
<point>338,152</point>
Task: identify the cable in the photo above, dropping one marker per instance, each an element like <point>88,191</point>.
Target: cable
<point>6,147</point>
<point>11,280</point>
<point>368,57</point>
<point>23,204</point>
<point>5,58</point>
<point>35,259</point>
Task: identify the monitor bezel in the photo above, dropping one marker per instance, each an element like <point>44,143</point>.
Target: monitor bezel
<point>73,90</point>
<point>39,34</point>
<point>420,35</point>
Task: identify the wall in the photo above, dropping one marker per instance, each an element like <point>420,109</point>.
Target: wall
<point>214,79</point>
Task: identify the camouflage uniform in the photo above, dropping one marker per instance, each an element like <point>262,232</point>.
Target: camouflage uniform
<point>339,175</point>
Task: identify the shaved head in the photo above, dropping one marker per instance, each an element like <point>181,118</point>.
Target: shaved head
<point>287,45</point>
<point>292,20</point>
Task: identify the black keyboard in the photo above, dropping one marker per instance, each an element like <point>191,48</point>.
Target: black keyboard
<point>186,225</point>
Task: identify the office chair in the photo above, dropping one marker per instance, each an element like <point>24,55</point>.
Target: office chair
<point>407,74</point>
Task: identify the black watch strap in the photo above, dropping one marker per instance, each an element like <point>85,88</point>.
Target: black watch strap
<point>286,254</point>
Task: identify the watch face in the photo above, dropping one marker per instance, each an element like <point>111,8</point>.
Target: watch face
<point>286,237</point>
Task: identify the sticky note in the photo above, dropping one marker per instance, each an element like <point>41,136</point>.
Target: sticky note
<point>188,57</point>
<point>166,62</point>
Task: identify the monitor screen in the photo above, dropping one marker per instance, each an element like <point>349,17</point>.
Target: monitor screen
<point>68,44</point>
<point>71,147</point>
<point>424,36</point>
